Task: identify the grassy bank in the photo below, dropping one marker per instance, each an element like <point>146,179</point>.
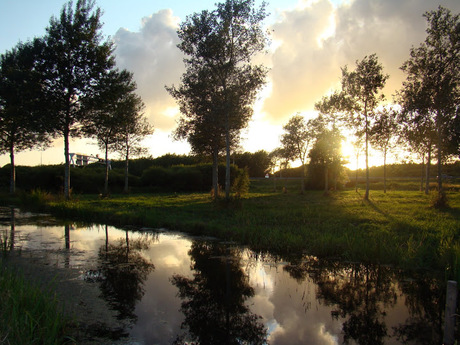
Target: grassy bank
<point>398,227</point>
<point>27,314</point>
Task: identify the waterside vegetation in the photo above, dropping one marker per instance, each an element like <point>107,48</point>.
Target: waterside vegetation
<point>28,315</point>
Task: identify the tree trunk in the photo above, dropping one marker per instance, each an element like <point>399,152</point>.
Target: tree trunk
<point>356,174</point>
<point>439,134</point>
<point>326,179</point>
<point>126,188</point>
<point>385,170</point>
<point>227,162</point>
<point>422,176</point>
<point>106,176</point>
<point>215,173</point>
<point>427,177</point>
<point>304,174</point>
<point>366,195</point>
<point>67,164</point>
<point>12,171</point>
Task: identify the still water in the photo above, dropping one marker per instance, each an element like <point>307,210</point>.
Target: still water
<point>169,288</point>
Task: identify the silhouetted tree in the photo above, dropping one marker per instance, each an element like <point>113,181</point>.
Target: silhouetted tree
<point>220,84</point>
<point>133,131</point>
<point>326,155</point>
<point>21,111</point>
<point>296,142</point>
<point>382,133</point>
<point>360,90</point>
<point>115,121</point>
<point>75,61</point>
<point>432,86</point>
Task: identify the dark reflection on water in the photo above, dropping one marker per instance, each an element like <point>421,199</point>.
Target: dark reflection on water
<point>173,289</point>
<point>214,298</point>
<point>122,270</point>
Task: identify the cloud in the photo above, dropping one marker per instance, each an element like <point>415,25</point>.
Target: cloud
<point>152,55</point>
<point>316,39</point>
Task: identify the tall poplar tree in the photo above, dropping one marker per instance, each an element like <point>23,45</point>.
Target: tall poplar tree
<point>382,135</point>
<point>219,46</point>
<point>360,89</point>
<point>75,61</point>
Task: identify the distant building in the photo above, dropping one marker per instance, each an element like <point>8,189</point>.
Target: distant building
<point>81,160</point>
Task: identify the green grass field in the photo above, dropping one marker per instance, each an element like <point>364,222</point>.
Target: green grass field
<point>399,227</point>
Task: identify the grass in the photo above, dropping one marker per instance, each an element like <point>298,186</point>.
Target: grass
<point>398,227</point>
<point>27,314</point>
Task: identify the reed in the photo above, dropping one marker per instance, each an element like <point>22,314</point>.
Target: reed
<point>28,315</point>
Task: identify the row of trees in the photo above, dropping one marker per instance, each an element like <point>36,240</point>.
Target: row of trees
<point>66,84</point>
<point>425,118</point>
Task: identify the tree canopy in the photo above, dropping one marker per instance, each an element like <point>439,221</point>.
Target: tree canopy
<point>220,83</point>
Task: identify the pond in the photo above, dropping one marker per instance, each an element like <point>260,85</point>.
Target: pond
<point>170,288</point>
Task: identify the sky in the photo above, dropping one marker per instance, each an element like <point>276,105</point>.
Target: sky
<point>311,41</point>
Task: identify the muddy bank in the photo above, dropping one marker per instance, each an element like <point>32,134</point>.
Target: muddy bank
<point>93,322</point>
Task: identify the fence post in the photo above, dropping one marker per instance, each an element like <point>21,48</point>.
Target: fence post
<point>449,317</point>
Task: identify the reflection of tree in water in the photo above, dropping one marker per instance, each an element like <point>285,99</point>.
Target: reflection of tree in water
<point>214,299</point>
<point>123,270</point>
<point>360,292</point>
<point>425,301</point>
<point>7,241</point>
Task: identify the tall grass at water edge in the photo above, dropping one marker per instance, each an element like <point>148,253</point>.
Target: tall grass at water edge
<point>399,227</point>
<point>27,314</point>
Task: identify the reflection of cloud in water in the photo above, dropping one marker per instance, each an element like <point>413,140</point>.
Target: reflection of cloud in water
<point>171,261</point>
<point>258,277</point>
<point>173,251</point>
<point>289,309</point>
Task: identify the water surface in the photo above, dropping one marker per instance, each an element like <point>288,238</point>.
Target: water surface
<point>170,288</point>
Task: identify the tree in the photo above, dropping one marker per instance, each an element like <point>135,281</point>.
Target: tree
<point>132,131</point>
<point>326,154</point>
<point>296,142</point>
<point>75,61</point>
<point>360,90</point>
<point>200,123</point>
<point>417,131</point>
<point>21,125</point>
<point>382,133</point>
<point>220,84</point>
<point>278,158</point>
<point>433,70</point>
<point>114,116</point>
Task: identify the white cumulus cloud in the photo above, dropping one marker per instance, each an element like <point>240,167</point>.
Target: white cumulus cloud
<point>152,55</point>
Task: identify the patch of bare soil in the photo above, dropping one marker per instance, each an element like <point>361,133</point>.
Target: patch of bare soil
<point>93,322</point>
